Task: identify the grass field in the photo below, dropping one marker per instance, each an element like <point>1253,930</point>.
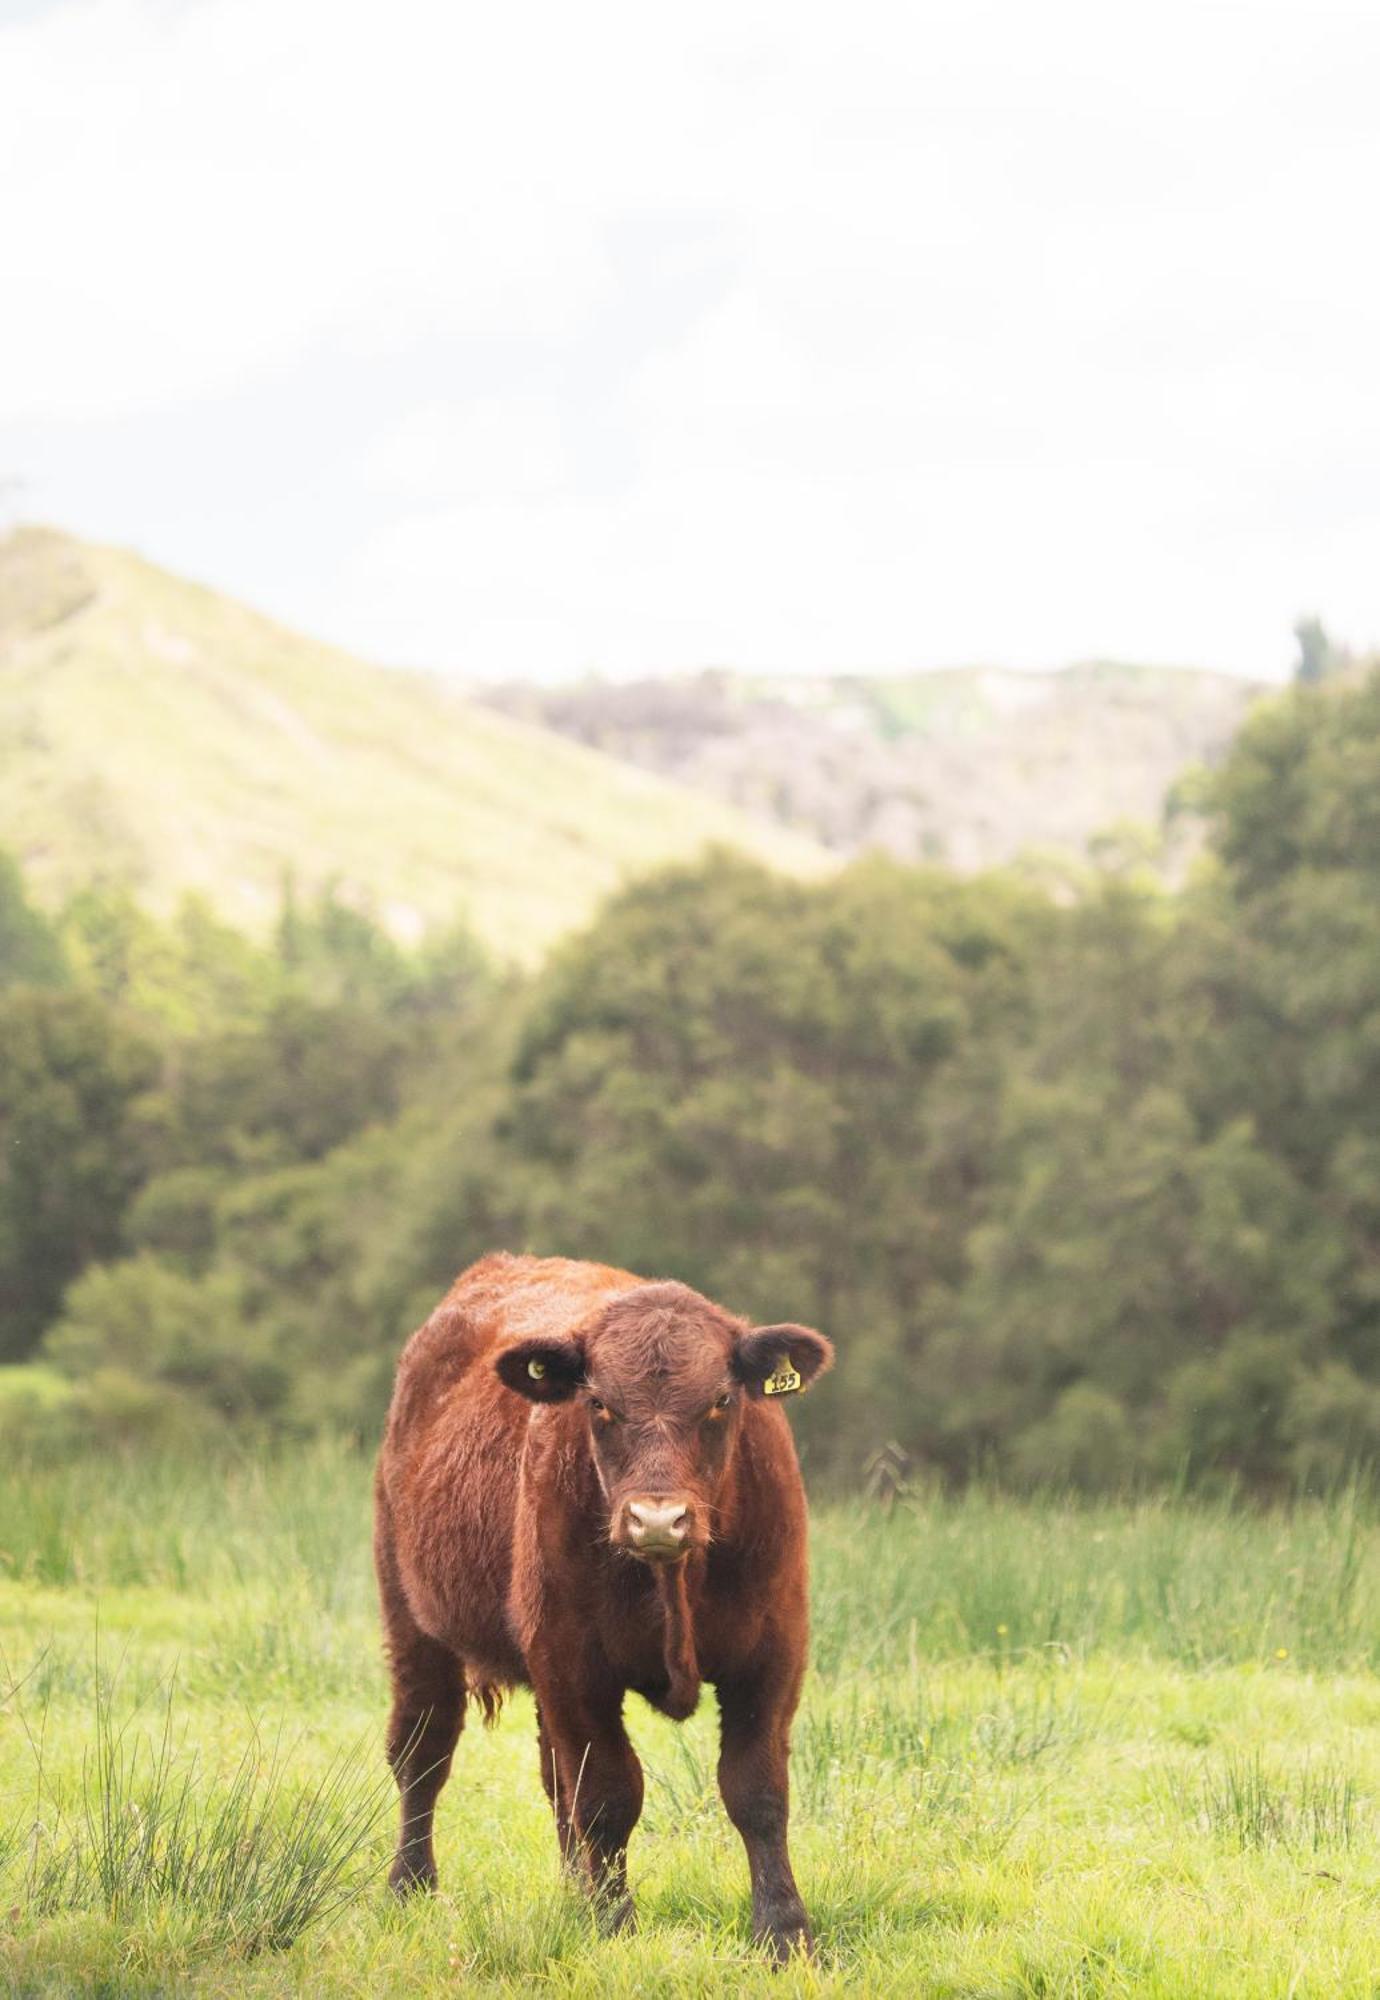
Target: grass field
<point>1044,1750</point>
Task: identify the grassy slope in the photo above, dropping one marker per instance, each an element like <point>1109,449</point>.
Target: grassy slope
<point>151,727</point>
<point>1043,1752</point>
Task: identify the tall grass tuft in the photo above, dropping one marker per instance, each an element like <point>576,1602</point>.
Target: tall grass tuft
<point>250,1861</point>
<point>1240,1801</point>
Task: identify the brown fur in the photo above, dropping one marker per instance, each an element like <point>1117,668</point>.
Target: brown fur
<point>504,1543</point>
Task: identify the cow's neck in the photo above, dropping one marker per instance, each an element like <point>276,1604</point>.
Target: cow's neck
<point>682,1666</point>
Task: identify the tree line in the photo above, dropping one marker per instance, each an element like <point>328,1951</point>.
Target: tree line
<point>1085,1185</point>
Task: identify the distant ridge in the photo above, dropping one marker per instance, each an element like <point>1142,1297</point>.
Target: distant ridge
<point>155,731</point>
<point>970,766</point>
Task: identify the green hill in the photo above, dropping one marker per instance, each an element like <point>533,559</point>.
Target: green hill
<point>156,731</point>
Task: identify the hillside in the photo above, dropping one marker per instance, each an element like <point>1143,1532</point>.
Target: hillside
<point>154,730</point>
<point>969,766</point>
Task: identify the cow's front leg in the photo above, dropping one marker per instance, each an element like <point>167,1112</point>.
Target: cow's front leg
<point>597,1791</point>
<point>755,1718</point>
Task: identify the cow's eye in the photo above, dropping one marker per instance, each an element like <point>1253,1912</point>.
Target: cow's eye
<point>595,1404</point>
<point>722,1402</point>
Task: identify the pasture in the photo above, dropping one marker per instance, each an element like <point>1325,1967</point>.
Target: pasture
<point>1045,1749</point>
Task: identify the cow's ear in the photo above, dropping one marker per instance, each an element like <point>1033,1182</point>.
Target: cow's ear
<point>779,1360</point>
<point>545,1371</point>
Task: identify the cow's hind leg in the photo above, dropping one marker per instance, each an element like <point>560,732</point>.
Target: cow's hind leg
<point>424,1726</point>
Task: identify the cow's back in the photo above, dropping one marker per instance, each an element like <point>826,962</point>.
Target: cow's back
<point>448,1472</point>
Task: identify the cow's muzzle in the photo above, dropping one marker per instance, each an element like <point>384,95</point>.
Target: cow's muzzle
<point>658,1529</point>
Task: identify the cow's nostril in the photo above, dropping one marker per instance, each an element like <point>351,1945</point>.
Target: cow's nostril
<point>654,1524</point>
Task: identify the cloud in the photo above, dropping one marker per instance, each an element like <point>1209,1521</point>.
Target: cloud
<point>494,447</point>
<point>757,333</point>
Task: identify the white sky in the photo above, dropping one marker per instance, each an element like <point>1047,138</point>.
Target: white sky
<point>519,339</point>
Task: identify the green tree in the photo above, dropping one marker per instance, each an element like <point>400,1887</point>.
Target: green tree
<point>1123,1254</point>
<point>137,1319</point>
<point>1318,656</point>
<point>781,1094</point>
<point>184,975</point>
<point>70,1077</point>
<point>30,951</point>
<point>1291,973</point>
<point>292,1087</point>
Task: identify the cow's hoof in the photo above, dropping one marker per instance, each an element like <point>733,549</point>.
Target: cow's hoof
<point>789,1938</point>
<point>409,1878</point>
<point>615,1914</point>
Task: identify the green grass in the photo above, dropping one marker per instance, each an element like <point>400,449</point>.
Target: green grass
<point>1045,1750</point>
<point>250,1858</point>
<point>151,728</point>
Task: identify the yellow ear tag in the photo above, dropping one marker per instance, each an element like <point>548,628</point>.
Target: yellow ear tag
<point>536,1369</point>
<point>784,1382</point>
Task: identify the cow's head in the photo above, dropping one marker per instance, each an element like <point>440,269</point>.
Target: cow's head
<point>663,1376</point>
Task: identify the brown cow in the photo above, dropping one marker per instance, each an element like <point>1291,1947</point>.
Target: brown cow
<point>586,1485</point>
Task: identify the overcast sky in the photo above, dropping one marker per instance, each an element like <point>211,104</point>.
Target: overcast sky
<point>515,339</point>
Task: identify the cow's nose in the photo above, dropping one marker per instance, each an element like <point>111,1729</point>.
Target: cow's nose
<point>657,1527</point>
